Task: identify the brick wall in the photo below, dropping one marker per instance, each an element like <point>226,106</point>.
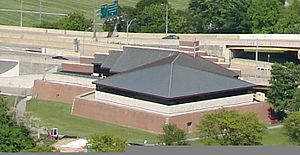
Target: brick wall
<point>55,91</point>
<point>77,68</point>
<point>86,60</point>
<point>101,111</point>
<point>261,110</point>
<point>147,121</point>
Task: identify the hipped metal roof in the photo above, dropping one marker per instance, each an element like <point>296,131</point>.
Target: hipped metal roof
<point>99,58</point>
<point>176,76</point>
<point>133,57</point>
<point>111,58</point>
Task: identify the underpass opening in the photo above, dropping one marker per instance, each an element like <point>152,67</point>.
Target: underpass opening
<point>267,56</point>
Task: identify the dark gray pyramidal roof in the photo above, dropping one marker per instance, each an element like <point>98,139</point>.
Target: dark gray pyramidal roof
<point>99,58</point>
<point>111,58</point>
<point>133,57</point>
<point>176,76</point>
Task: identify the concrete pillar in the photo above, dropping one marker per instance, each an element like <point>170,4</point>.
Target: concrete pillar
<point>227,54</point>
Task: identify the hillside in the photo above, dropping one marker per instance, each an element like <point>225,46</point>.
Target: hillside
<point>60,6</point>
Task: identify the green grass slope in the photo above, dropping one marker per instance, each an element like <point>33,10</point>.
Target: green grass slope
<point>60,6</point>
<point>57,115</point>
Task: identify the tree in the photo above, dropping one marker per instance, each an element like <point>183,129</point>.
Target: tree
<point>107,143</point>
<point>172,135</point>
<point>284,81</point>
<point>292,127</point>
<point>75,21</point>
<point>151,20</point>
<point>224,16</point>
<point>264,15</point>
<point>13,137</point>
<point>142,4</point>
<point>231,128</point>
<point>289,21</point>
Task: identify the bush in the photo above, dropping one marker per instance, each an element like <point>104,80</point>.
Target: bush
<point>107,143</point>
<point>231,128</point>
<point>172,135</point>
<point>292,127</point>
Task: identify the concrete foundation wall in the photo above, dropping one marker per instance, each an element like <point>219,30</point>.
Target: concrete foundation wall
<point>60,92</point>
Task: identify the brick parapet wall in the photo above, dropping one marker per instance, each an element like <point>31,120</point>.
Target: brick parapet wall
<point>86,59</point>
<point>77,68</point>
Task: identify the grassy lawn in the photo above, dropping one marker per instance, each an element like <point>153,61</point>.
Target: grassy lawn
<point>53,114</point>
<point>274,137</point>
<point>60,6</point>
<point>298,94</point>
<point>9,99</point>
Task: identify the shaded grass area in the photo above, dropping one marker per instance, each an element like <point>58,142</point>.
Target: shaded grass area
<point>276,137</point>
<point>298,94</point>
<point>54,114</point>
<point>273,137</point>
<point>10,100</point>
<point>60,6</point>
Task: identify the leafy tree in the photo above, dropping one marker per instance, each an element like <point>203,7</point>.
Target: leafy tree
<point>284,81</point>
<point>13,137</point>
<point>223,16</point>
<point>264,15</point>
<point>173,135</point>
<point>292,127</point>
<point>142,4</point>
<point>289,21</point>
<point>107,143</point>
<point>231,128</point>
<point>151,19</point>
<point>75,21</point>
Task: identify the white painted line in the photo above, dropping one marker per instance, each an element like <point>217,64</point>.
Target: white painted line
<point>10,49</point>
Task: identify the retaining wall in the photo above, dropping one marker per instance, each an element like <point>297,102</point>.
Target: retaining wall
<point>57,91</point>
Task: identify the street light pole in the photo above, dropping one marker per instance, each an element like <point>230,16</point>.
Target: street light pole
<point>167,18</point>
<point>21,15</point>
<point>256,58</point>
<point>94,25</point>
<point>127,28</point>
<point>40,11</point>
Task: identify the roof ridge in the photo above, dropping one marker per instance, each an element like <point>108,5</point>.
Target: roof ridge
<point>171,74</point>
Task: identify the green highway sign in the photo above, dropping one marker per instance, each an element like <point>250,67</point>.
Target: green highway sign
<point>109,10</point>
